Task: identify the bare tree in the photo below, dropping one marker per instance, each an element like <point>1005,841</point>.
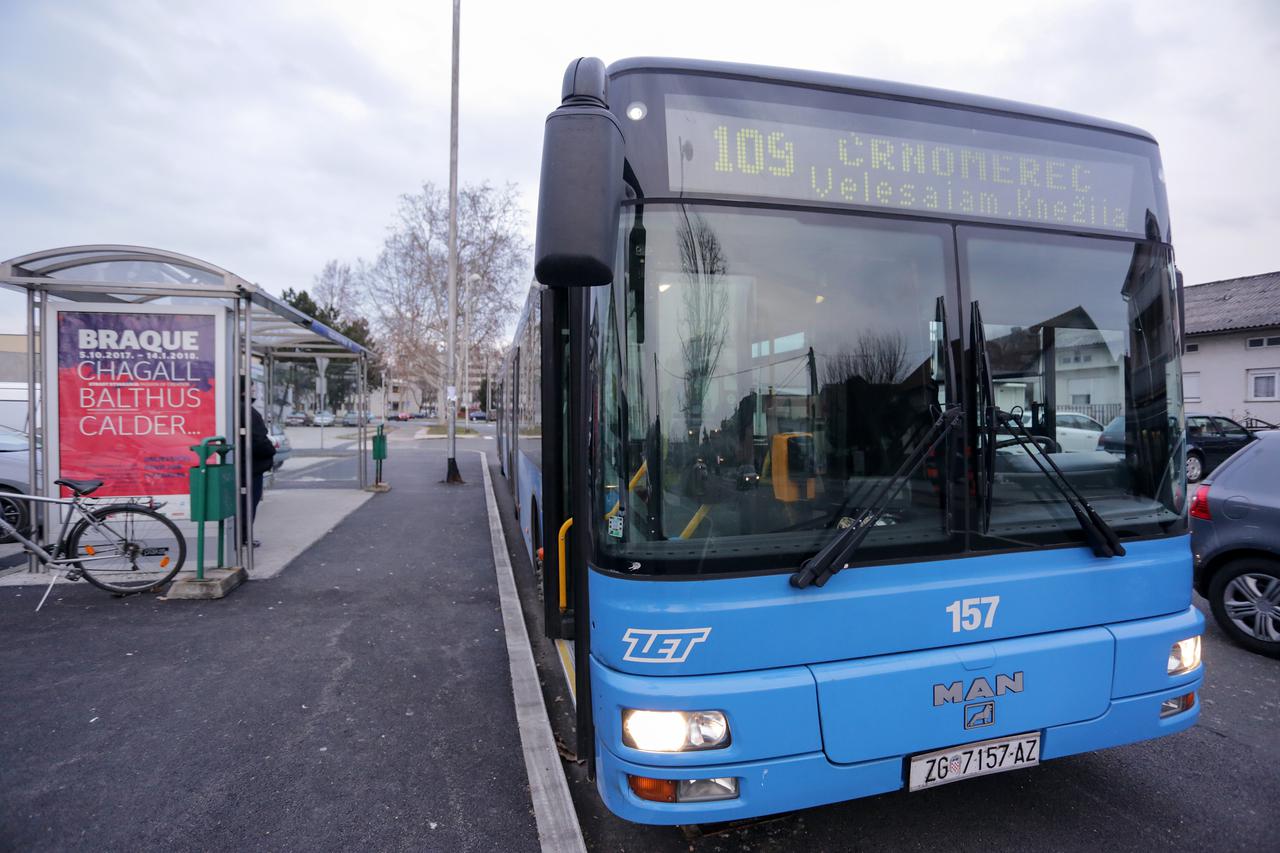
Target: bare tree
<point>337,287</point>
<point>406,286</point>
<point>705,319</point>
<point>878,358</point>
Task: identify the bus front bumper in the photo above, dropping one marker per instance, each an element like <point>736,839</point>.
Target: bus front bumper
<point>778,785</point>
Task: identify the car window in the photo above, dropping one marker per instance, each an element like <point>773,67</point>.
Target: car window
<point>1253,468</point>
<point>1089,424</point>
<point>1230,428</point>
<point>1198,425</point>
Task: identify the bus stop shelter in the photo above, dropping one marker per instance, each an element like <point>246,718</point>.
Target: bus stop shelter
<point>257,326</point>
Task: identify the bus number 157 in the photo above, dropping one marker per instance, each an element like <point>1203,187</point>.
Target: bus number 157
<point>967,613</point>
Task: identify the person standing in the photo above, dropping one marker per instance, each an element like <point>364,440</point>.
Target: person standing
<point>261,455</point>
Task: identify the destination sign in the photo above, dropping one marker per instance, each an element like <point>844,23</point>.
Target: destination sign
<point>816,155</point>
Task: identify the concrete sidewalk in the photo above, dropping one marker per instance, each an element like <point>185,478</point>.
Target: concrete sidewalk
<point>289,522</point>
<point>360,700</point>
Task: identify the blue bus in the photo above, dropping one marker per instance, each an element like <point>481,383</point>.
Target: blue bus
<point>802,424</point>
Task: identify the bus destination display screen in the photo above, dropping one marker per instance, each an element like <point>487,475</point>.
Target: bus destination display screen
<point>739,148</point>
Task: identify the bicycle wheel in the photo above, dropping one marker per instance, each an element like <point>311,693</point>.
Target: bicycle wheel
<point>15,513</point>
<point>127,549</point>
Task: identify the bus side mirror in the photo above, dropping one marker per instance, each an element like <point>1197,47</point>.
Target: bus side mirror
<point>581,189</point>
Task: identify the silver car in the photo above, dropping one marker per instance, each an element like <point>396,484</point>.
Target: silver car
<point>284,448</point>
<point>15,455</point>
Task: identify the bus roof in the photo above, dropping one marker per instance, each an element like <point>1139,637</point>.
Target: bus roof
<point>870,87</point>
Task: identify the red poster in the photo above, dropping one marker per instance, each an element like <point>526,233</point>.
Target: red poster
<point>135,391</point>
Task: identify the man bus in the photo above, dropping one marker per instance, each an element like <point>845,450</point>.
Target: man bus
<point>793,377</point>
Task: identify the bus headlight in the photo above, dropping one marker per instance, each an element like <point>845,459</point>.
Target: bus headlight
<point>674,731</point>
<point>1184,656</point>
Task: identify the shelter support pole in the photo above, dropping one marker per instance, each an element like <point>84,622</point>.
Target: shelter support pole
<point>33,329</point>
<point>247,426</point>
<point>363,397</point>
<point>237,417</point>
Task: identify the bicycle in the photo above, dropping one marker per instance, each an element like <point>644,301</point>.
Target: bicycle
<point>123,548</point>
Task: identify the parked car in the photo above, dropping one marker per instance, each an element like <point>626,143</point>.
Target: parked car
<point>1210,440</point>
<point>15,455</point>
<point>477,415</point>
<point>1074,432</point>
<point>1235,543</point>
<point>297,419</point>
<point>403,416</point>
<point>323,419</point>
<point>351,419</point>
<point>284,449</point>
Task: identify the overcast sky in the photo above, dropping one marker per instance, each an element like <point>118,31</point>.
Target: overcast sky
<point>267,137</point>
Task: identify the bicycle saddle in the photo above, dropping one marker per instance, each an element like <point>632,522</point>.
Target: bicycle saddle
<point>81,487</point>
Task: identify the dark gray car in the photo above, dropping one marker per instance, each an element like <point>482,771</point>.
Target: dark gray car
<point>1235,540</point>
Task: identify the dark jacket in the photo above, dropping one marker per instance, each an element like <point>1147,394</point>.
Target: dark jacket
<point>262,450</point>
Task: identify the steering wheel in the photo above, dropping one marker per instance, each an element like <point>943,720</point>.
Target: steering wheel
<point>1048,445</point>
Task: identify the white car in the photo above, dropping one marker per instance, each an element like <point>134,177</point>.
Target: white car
<point>1075,433</point>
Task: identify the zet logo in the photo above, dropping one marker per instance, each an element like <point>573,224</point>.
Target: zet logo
<point>646,645</point>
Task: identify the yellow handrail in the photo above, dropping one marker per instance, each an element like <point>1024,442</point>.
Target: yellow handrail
<point>695,521</point>
<point>564,593</point>
<point>640,472</point>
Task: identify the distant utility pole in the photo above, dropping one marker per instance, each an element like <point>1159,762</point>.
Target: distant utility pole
<point>452,475</point>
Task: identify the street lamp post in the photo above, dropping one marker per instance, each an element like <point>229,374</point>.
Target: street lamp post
<point>452,475</point>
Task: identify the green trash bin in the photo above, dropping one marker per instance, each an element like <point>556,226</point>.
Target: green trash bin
<point>379,453</point>
<point>213,493</point>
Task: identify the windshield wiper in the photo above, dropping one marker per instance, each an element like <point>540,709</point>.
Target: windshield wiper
<point>1101,537</point>
<point>837,553</point>
<point>987,409</point>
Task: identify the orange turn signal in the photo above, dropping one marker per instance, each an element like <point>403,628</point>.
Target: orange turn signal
<point>656,790</point>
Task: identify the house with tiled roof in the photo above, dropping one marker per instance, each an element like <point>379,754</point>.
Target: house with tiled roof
<point>1231,364</point>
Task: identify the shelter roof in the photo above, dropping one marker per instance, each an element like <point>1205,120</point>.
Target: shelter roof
<point>138,274</point>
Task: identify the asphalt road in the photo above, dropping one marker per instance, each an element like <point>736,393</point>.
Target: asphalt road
<point>1213,787</point>
<point>359,701</point>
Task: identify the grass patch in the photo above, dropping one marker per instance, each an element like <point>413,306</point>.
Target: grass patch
<point>440,429</point>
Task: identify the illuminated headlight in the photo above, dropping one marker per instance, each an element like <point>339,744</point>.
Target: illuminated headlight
<point>674,731</point>
<point>1184,656</point>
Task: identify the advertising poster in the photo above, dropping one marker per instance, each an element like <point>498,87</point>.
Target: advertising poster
<point>135,390</point>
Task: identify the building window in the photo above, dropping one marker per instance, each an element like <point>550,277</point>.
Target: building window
<point>1080,399</point>
<point>1191,387</point>
<point>1254,343</point>
<point>1273,342</point>
<point>1262,384</point>
<point>1193,348</point>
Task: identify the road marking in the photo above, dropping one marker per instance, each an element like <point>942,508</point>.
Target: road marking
<point>565,648</point>
<point>558,828</point>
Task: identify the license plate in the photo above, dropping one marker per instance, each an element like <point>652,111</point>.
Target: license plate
<point>973,759</point>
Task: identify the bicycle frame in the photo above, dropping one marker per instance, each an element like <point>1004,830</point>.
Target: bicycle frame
<point>51,558</point>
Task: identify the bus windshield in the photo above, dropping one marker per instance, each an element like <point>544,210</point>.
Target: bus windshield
<point>762,372</point>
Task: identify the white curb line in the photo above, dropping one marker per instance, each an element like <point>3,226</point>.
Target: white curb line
<point>558,828</point>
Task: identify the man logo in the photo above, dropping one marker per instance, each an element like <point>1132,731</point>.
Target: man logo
<point>979,688</point>
<point>662,646</point>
